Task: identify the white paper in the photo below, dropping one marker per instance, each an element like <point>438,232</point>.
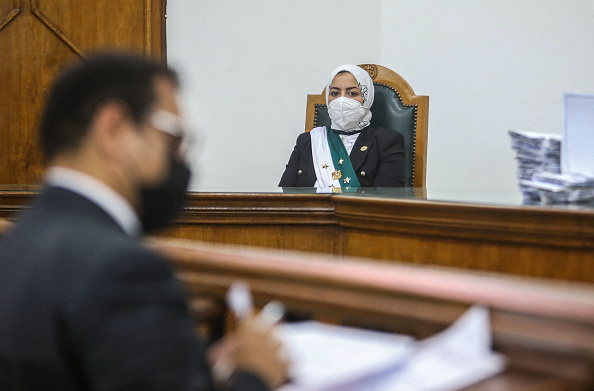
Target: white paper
<point>327,357</point>
<point>577,155</point>
<point>455,358</point>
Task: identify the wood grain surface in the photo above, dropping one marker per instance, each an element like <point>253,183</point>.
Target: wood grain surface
<point>37,39</point>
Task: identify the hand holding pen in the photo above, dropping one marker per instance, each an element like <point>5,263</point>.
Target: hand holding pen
<point>240,302</point>
<point>252,348</point>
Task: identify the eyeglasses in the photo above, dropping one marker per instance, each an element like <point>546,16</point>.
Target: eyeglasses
<point>168,123</point>
<point>171,124</point>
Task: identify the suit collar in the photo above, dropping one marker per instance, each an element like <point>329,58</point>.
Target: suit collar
<point>65,202</point>
<point>97,192</point>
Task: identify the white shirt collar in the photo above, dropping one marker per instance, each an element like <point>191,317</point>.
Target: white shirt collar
<point>96,191</point>
<point>349,141</point>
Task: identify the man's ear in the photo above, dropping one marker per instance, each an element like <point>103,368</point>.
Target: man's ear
<point>109,127</point>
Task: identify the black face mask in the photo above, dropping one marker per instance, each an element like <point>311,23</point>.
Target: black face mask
<point>162,203</point>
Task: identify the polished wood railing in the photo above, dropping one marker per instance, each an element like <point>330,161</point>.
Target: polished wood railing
<point>545,328</point>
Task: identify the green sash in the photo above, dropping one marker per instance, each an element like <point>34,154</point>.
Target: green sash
<point>342,163</point>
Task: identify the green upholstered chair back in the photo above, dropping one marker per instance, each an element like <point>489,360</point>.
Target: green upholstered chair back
<point>395,107</point>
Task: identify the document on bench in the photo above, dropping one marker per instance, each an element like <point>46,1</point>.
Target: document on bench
<point>333,358</point>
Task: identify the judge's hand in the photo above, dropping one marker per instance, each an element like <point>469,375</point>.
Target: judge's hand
<point>252,348</point>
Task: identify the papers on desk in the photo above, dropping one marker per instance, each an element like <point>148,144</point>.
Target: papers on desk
<point>328,357</point>
<point>552,169</point>
<point>561,188</point>
<point>333,358</point>
<point>535,152</point>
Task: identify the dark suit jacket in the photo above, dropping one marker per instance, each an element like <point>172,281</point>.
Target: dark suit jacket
<point>381,164</point>
<point>85,307</point>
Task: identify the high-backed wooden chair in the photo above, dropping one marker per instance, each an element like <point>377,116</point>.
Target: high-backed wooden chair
<point>396,107</point>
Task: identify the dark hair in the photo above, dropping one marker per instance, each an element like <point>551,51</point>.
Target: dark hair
<point>77,92</point>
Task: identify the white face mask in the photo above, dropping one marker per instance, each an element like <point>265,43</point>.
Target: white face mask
<point>345,113</point>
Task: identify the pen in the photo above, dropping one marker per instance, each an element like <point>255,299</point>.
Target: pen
<point>240,301</point>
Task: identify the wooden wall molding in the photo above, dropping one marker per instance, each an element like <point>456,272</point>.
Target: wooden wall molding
<point>37,39</point>
<point>148,28</point>
<point>259,208</point>
<point>14,202</point>
<point>546,226</point>
<point>55,29</point>
<point>11,14</point>
<point>148,16</point>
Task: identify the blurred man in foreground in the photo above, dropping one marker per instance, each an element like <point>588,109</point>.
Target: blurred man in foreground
<point>83,305</point>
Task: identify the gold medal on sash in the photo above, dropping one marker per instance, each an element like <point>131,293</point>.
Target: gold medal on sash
<point>336,175</point>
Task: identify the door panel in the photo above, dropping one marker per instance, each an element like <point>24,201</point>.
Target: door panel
<point>37,38</point>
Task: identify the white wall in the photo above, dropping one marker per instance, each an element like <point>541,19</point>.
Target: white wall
<point>487,66</point>
<point>248,67</point>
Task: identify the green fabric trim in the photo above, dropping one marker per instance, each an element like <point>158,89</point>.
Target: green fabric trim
<point>342,162</point>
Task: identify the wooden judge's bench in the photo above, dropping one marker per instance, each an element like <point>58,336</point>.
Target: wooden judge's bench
<point>481,228</point>
<point>472,228</point>
<point>409,261</point>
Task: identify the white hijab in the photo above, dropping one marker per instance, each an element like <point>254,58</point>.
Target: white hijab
<point>365,86</point>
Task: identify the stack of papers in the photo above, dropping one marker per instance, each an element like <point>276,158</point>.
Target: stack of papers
<point>560,188</point>
<point>556,170</point>
<point>535,152</point>
<point>333,358</point>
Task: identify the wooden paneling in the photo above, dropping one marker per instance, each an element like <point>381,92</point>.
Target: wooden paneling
<point>303,222</point>
<point>544,242</point>
<point>313,239</point>
<point>37,38</point>
<point>13,202</point>
<point>536,241</point>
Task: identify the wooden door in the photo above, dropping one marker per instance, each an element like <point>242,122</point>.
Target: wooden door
<point>37,38</point>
